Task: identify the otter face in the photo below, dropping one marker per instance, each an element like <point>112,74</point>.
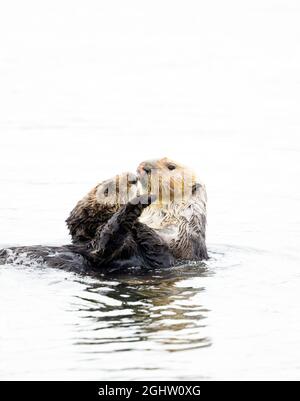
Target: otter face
<point>118,190</point>
<point>167,179</point>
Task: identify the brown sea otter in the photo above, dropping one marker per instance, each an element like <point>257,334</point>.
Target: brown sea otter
<point>106,234</point>
<point>111,227</point>
<point>179,214</point>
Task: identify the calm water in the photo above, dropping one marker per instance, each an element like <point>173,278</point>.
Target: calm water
<point>235,316</point>
<point>83,100</point>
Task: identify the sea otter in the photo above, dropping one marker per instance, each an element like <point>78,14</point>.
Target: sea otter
<point>150,220</point>
<point>179,214</point>
<point>177,217</point>
<point>107,234</point>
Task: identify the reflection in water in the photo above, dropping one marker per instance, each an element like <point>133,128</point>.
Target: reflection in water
<point>156,309</point>
<point>153,325</point>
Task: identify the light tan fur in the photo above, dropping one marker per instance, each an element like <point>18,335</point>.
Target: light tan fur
<point>179,214</point>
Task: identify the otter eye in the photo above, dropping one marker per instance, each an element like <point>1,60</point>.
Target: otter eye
<point>106,192</point>
<point>171,167</point>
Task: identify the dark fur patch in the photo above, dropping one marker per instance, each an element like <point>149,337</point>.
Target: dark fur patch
<point>120,242</point>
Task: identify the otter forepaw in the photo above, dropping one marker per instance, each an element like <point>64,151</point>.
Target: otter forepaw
<point>135,207</point>
<point>143,200</point>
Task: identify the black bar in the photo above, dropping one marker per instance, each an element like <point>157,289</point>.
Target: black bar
<point>205,390</point>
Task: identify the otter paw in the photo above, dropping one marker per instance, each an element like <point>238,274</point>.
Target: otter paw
<point>143,200</point>
<point>135,207</point>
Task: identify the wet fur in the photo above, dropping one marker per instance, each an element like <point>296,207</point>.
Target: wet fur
<point>180,225</point>
<point>120,242</point>
<point>178,216</point>
<point>88,216</point>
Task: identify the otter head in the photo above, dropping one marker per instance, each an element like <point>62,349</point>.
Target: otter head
<point>117,191</point>
<point>99,205</point>
<point>170,181</point>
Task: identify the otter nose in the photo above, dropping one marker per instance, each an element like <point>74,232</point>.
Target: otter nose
<point>144,168</point>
